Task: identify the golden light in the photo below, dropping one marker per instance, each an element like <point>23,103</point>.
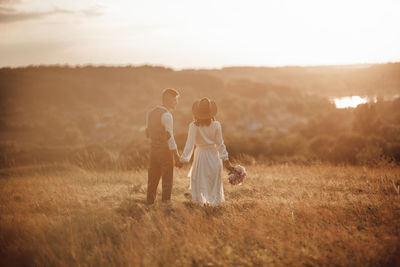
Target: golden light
<point>199,34</point>
<point>349,101</point>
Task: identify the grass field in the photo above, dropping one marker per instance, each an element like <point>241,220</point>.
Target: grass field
<point>282,215</point>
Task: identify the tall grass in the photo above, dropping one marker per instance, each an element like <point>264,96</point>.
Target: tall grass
<point>281,215</point>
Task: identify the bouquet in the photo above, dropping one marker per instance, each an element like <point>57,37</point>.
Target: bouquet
<point>237,176</point>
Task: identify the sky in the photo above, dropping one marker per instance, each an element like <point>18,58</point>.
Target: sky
<point>199,34</point>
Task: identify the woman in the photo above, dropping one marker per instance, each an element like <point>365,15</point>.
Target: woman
<point>206,171</point>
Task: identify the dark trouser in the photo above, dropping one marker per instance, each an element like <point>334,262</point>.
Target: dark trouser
<point>161,165</point>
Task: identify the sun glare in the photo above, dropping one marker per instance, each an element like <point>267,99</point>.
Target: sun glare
<point>198,34</point>
<point>349,101</point>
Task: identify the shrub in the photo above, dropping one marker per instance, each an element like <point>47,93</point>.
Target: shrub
<point>94,157</point>
<point>134,156</point>
<point>346,148</point>
<point>370,155</point>
<point>321,147</point>
<point>243,159</point>
<point>394,151</point>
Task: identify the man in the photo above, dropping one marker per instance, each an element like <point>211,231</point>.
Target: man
<point>159,128</point>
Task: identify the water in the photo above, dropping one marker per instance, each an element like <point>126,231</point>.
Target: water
<point>355,100</point>
<point>350,101</point>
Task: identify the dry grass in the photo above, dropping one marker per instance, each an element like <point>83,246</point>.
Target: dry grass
<point>282,215</point>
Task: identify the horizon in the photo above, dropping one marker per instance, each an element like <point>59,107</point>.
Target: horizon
<point>350,65</point>
<point>207,35</point>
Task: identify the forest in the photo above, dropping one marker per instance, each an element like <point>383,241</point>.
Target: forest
<point>94,116</point>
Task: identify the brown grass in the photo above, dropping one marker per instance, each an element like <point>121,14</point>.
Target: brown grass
<point>282,215</point>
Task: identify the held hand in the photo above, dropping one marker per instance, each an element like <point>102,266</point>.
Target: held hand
<point>228,166</point>
<point>178,163</point>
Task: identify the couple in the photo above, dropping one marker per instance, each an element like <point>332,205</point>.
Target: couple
<point>204,132</point>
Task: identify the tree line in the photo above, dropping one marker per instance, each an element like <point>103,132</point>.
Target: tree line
<point>93,116</point>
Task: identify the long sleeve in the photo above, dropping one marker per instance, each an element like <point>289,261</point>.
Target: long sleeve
<point>167,121</point>
<point>223,154</point>
<point>189,146</point>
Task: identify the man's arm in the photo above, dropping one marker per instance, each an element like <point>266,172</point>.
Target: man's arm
<point>167,121</point>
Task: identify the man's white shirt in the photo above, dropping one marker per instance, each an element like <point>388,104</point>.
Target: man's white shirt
<point>168,122</point>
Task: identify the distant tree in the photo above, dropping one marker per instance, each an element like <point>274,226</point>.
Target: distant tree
<point>366,120</point>
<point>346,148</point>
<point>321,147</point>
<point>393,151</point>
<point>370,155</point>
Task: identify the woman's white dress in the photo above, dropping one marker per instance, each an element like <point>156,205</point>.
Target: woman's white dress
<point>206,171</point>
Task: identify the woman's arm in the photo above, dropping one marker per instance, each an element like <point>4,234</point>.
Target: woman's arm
<point>223,154</point>
<point>189,146</point>
<point>228,166</point>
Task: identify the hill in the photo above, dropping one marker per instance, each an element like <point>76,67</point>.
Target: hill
<point>96,114</point>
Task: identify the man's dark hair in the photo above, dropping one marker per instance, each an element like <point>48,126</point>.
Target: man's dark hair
<point>169,92</point>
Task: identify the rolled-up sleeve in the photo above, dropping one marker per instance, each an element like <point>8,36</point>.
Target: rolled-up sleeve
<point>223,154</point>
<point>168,123</point>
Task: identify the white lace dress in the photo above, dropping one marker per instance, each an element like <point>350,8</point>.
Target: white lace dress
<point>206,171</point>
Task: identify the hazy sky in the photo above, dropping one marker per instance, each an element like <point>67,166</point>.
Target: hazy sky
<point>198,34</point>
